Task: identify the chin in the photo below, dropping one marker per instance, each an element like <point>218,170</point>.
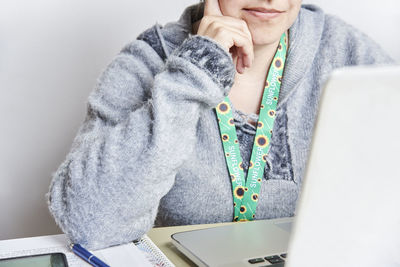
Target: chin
<point>266,37</point>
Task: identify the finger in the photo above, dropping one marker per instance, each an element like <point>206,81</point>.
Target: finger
<point>239,65</point>
<point>244,51</point>
<point>237,23</point>
<point>243,44</point>
<point>226,30</point>
<point>211,8</point>
<point>246,60</point>
<point>234,22</point>
<point>226,21</point>
<point>228,33</point>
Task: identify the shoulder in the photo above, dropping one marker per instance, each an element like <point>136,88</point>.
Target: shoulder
<point>338,31</point>
<point>152,36</point>
<point>163,39</point>
<point>313,18</point>
<point>347,43</point>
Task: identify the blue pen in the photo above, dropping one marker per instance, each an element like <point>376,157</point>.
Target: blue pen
<point>87,256</point>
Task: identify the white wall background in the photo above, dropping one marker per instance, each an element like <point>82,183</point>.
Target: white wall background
<point>52,51</point>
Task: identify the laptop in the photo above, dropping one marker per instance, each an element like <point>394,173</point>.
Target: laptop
<point>348,213</point>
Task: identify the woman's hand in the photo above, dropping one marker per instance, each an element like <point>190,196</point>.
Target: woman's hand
<point>231,33</point>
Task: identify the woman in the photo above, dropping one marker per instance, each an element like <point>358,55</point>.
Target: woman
<point>161,142</point>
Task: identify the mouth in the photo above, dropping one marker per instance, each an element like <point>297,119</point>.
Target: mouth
<point>263,13</point>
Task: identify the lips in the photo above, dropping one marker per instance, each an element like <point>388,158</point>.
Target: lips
<point>263,10</point>
<point>262,13</point>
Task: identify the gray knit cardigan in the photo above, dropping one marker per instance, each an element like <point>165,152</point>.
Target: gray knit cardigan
<point>149,151</point>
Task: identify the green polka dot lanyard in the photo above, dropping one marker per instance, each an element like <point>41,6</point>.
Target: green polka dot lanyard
<point>246,191</point>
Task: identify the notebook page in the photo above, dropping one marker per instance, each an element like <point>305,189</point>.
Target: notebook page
<point>118,256</point>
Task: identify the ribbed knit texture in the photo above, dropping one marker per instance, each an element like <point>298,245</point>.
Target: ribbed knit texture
<point>149,151</point>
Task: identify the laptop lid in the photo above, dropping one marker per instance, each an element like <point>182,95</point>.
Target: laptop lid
<point>348,182</point>
<point>348,212</point>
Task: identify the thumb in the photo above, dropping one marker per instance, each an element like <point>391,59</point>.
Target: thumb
<point>211,8</point>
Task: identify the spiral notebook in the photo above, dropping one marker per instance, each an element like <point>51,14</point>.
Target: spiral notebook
<point>141,253</point>
<point>153,253</point>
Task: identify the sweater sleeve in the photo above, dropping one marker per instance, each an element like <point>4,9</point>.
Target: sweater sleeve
<point>140,125</point>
